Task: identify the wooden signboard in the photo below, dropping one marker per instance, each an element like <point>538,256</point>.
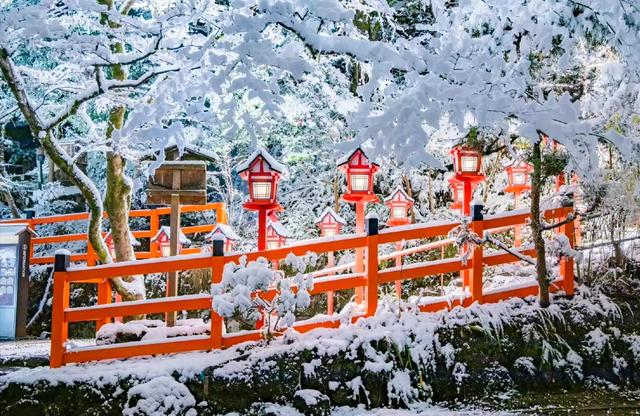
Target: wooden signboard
<point>188,179</point>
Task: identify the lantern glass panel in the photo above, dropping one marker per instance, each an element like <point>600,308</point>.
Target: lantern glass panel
<point>359,182</point>
<point>165,250</point>
<point>272,245</point>
<point>399,212</point>
<point>329,232</point>
<point>261,190</point>
<point>469,164</point>
<point>519,178</point>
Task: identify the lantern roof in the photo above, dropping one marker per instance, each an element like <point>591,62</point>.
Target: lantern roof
<point>260,152</point>
<point>132,240</point>
<point>278,228</point>
<point>330,211</point>
<point>224,229</point>
<point>404,195</point>
<point>521,165</point>
<point>166,230</point>
<point>357,152</point>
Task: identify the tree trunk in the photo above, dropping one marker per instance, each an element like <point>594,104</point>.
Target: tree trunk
<point>536,225</point>
<point>407,185</point>
<point>4,179</point>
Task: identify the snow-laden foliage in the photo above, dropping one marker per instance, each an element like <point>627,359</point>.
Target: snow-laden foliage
<point>251,291</point>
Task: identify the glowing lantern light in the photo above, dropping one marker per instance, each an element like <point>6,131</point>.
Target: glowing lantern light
<point>163,238</point>
<point>519,177</point>
<point>399,204</point>
<point>360,173</point>
<point>466,161</point>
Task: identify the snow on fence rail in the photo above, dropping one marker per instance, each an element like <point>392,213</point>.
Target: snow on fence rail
<point>365,282</point>
<point>154,226</point>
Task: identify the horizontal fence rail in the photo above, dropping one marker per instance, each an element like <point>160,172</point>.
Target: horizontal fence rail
<point>154,216</point>
<point>367,281</point>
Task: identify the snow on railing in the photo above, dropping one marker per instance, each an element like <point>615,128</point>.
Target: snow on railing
<point>365,282</point>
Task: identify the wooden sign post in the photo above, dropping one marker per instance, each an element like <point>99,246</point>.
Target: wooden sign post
<point>175,183</point>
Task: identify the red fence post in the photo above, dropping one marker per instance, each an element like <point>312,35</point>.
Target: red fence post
<point>217,322</point>
<point>477,265</point>
<point>104,297</point>
<point>372,266</point>
<point>221,213</point>
<point>59,326</point>
<point>566,263</point>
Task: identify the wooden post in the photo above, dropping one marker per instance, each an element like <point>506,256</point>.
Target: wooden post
<point>154,227</point>
<point>477,266</point>
<point>172,277</point>
<point>59,327</point>
<point>372,266</point>
<point>217,323</point>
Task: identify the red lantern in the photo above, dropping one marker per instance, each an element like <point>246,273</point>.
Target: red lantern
<point>467,162</point>
<point>457,191</point>
<point>360,173</point>
<point>262,172</point>
<point>399,204</point>
<point>163,237</point>
<point>330,223</point>
<point>519,177</point>
<point>277,234</point>
<point>229,235</point>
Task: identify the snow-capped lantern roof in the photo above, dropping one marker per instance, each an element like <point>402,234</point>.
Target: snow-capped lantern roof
<point>265,160</point>
<point>329,215</point>
<point>108,239</point>
<point>164,235</point>
<point>277,228</point>
<point>225,230</point>
<point>356,158</point>
<point>399,195</point>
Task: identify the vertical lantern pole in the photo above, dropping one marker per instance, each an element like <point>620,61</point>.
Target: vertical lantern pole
<point>262,229</point>
<point>330,224</point>
<point>399,204</point>
<point>360,208</point>
<point>517,236</point>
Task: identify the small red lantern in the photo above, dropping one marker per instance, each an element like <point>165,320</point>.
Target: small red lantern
<point>330,223</point>
<point>519,177</point>
<point>467,162</point>
<point>163,237</point>
<point>262,172</point>
<point>360,173</point>
<point>399,204</point>
<point>229,235</point>
<point>108,239</point>
<point>277,234</point>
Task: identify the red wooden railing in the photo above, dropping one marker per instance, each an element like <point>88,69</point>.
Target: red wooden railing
<point>370,280</point>
<point>90,257</point>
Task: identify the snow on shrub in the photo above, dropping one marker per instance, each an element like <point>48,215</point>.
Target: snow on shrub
<point>250,291</point>
<point>160,396</point>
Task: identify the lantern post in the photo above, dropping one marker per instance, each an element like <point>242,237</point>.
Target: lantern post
<point>399,204</point>
<point>263,173</point>
<point>330,223</point>
<point>359,171</point>
<point>519,178</point>
<point>467,166</point>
